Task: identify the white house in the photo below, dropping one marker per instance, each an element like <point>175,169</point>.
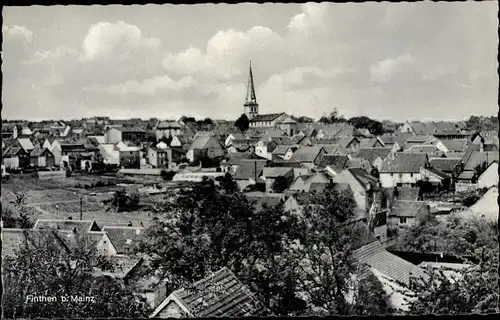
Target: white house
<point>167,129</point>
<point>402,169</point>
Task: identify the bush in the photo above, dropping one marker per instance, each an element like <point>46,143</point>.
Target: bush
<point>167,175</point>
<point>86,186</point>
<point>159,187</point>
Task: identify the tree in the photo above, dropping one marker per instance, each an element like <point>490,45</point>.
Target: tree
<point>303,119</point>
<point>323,253</point>
<point>228,184</point>
<point>375,127</point>
<point>375,173</point>
<point>43,268</point>
<point>25,219</point>
<point>242,123</point>
<point>333,117</point>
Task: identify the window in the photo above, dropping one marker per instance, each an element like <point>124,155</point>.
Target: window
<point>392,174</point>
<point>402,220</point>
<point>411,175</point>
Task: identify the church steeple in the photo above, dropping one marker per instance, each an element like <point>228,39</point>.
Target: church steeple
<point>251,106</point>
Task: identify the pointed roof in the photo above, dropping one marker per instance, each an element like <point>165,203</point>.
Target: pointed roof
<point>250,98</point>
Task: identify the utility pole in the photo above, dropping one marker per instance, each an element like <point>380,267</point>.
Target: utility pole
<point>81,205</point>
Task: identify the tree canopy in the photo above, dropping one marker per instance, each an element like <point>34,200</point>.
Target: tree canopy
<point>42,268</point>
<point>333,117</point>
<point>375,127</point>
<point>242,123</point>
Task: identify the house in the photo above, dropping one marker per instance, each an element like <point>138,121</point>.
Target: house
<point>220,294</point>
<point>486,207</point>
<point>309,156</point>
<point>248,172</point>
<point>9,131</point>
<point>12,240</point>
<point>97,239</point>
<point>402,168</point>
<point>309,182</point>
<point>436,177</point>
<point>15,158</point>
<point>473,160</point>
<point>286,124</point>
<point>441,130</point>
<point>455,145</point>
<point>370,143</point>
<point>264,148</point>
<point>167,129</point>
<point>333,164</point>
<point>394,273</point>
<point>350,144</point>
<point>375,156</point>
<point>117,134</point>
<point>26,144</point>
<point>395,141</point>
<point>268,120</point>
<point>362,185</point>
<point>449,166</point>
<point>295,203</point>
<point>78,154</point>
<point>284,152</point>
<point>231,163</point>
<point>110,154</point>
<point>129,156</point>
<point>260,200</point>
<point>407,213</point>
<point>124,238</point>
<point>233,136</point>
<point>333,148</point>
<point>242,145</point>
<point>159,157</point>
<point>204,146</point>
<point>42,157</point>
<point>489,177</point>
<point>271,174</point>
<point>77,226</point>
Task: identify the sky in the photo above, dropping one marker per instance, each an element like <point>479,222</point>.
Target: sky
<point>394,61</point>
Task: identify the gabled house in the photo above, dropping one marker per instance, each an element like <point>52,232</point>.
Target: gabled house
<point>169,128</point>
<point>402,168</point>
<point>362,184</point>
<point>26,144</point>
<point>42,158</point>
<point>375,156</point>
<point>284,152</point>
<point>96,239</point>
<point>242,145</point>
<point>309,182</point>
<point>124,239</point>
<point>374,142</point>
<point>118,134</point>
<point>308,156</point>
<point>407,213</point>
<point>15,158</point>
<point>220,294</point>
<point>9,131</point>
<point>249,172</point>
<point>77,226</point>
<point>232,162</point>
<point>204,146</point>
<point>271,174</point>
<point>435,177</point>
<point>489,177</point>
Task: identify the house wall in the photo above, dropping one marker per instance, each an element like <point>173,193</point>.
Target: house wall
<point>377,163</point>
<point>489,177</point>
<point>390,180</point>
<point>113,136</point>
<point>11,163</point>
<point>288,154</point>
<point>261,150</point>
<point>168,132</point>
<point>406,128</point>
<point>190,155</point>
<point>105,247</point>
<point>358,190</point>
<point>396,221</point>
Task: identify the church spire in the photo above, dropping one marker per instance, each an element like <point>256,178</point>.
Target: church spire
<point>251,99</point>
<point>251,105</point>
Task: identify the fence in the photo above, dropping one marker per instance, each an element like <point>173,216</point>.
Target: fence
<point>462,186</point>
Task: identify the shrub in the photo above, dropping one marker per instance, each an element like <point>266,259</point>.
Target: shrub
<point>167,175</point>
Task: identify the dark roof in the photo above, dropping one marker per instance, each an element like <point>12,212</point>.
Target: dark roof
<point>408,193</point>
<point>306,153</point>
<point>404,162</point>
<point>363,177</point>
<point>266,117</point>
<point>168,125</point>
<point>130,129</point>
<point>249,169</point>
<point>405,208</point>
<point>444,164</point>
<point>274,172</point>
<point>477,158</point>
<point>456,144</point>
<point>80,226</point>
<point>375,256</point>
<point>438,173</point>
<point>123,237</point>
<point>233,298</point>
<point>12,151</point>
<point>371,154</point>
<point>338,161</point>
<point>12,239</point>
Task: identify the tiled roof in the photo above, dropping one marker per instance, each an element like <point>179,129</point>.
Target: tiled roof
<point>404,208</point>
<point>218,295</point>
<point>444,164</point>
<point>12,239</point>
<point>371,154</point>
<point>37,151</point>
<point>477,158</point>
<point>408,193</point>
<point>26,144</point>
<point>275,172</point>
<point>341,141</point>
<point>281,150</point>
<point>306,153</point>
<point>266,117</point>
<point>404,162</point>
<point>455,144</point>
<point>130,129</point>
<point>249,169</point>
<point>123,237</point>
<point>200,142</point>
<point>283,140</point>
<point>368,143</point>
<point>338,161</point>
<point>12,151</point>
<point>80,226</point>
<point>438,173</point>
<point>363,177</point>
<point>375,256</point>
<point>168,125</point>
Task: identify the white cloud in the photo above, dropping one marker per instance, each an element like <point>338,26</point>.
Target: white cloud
<point>385,69</point>
<point>17,33</point>
<point>115,40</point>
